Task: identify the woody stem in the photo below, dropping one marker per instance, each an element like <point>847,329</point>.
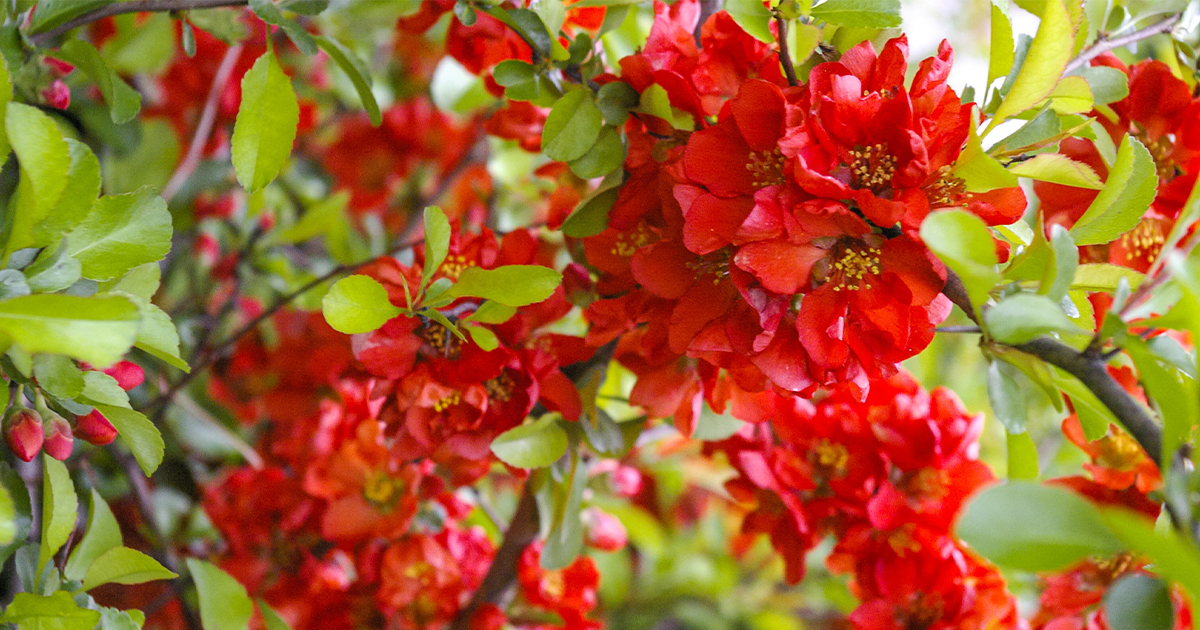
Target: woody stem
<point>785,56</point>
<point>1104,45</point>
<point>130,6</point>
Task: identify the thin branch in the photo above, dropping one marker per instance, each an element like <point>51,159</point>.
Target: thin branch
<point>1104,45</point>
<point>208,118</point>
<point>959,329</point>
<point>785,56</point>
<point>130,6</point>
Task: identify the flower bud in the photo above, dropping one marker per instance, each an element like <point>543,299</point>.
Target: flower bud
<point>604,531</point>
<point>95,428</point>
<point>23,432</point>
<point>57,95</point>
<point>60,439</point>
<point>128,374</point>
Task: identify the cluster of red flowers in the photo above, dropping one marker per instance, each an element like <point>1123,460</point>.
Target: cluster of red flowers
<point>780,243</point>
<point>886,477</point>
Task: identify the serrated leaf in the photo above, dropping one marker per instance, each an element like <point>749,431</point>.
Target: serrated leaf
<point>572,126</point>
<point>102,534</point>
<point>1048,56</point>
<point>59,505</point>
<point>58,375</point>
<point>1131,186</point>
<point>139,434</point>
<point>534,445</point>
<point>16,519</point>
<point>1072,95</point>
<point>99,330</point>
<point>224,604</point>
<point>357,304</point>
<point>45,160</point>
<point>1058,169</point>
<point>122,232</point>
<point>511,285</point>
<point>859,13</point>
<point>122,565</point>
<point>157,334</point>
<point>99,387</point>
<point>1031,527</point>
<point>57,611</point>
<point>124,102</point>
<point>753,17</point>
<point>358,72</point>
<point>437,242</point>
<point>266,124</point>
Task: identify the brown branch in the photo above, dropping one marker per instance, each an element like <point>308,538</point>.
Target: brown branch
<point>130,6</point>
<point>1089,366</point>
<point>502,574</point>
<point>1104,45</point>
<point>785,56</point>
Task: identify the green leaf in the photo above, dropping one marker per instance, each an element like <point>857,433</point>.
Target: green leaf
<point>591,217</point>
<point>1024,317</point>
<point>1058,169</point>
<point>358,72</point>
<point>534,445</point>
<point>99,387</point>
<point>1052,49</point>
<point>605,156</point>
<point>1031,527</point>
<point>491,313</point>
<point>45,160</point>
<point>1139,602</point>
<point>1000,56</point>
<point>1104,277</point>
<point>511,285</point>
<point>1108,85</point>
<point>964,243</point>
<point>5,99</point>
<point>1041,128</point>
<point>1022,456</point>
<point>753,17</point>
<point>124,102</point>
<point>616,99</point>
<point>271,618</point>
<point>1174,394</point>
<point>52,13</point>
<point>55,612</point>
<point>483,337</point>
<point>122,565</point>
<point>224,604</point>
<point>139,434</point>
<point>979,171</point>
<point>115,619</point>
<point>1007,396</point>
<point>266,124</point>
<point>1072,95</point>
<point>572,127</point>
<point>1174,557</point>
<point>437,242</point>
<point>564,541</point>
<point>122,232</point>
<point>859,13</point>
<point>59,505</point>
<point>157,334</point>
<point>16,518</point>
<point>533,30</point>
<point>269,13</point>
<point>1093,414</point>
<point>83,187</point>
<point>357,304</point>
<point>103,533</point>
<point>1064,261</point>
<point>1131,186</point>
<point>58,375</point>
<point>98,330</point>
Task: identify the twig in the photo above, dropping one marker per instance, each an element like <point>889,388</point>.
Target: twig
<point>130,6</point>
<point>1104,45</point>
<point>958,329</point>
<point>785,56</point>
<point>208,118</point>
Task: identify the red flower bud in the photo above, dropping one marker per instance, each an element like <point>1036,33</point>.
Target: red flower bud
<point>58,66</point>
<point>626,481</point>
<point>95,428</point>
<point>57,95</point>
<point>127,373</point>
<point>60,440</point>
<point>23,432</point>
<point>577,284</point>
<point>604,531</point>
<point>207,249</point>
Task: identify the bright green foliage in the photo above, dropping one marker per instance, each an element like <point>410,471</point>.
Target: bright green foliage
<point>102,534</point>
<point>511,285</point>
<point>437,242</point>
<point>753,17</point>
<point>124,102</point>
<point>1000,57</point>
<point>1104,277</point>
<point>1174,393</point>
<point>1132,182</point>
<point>606,155</point>
<point>357,304</point>
<point>859,13</point>
<point>45,159</point>
<point>266,124</point>
<point>15,511</point>
<point>1022,456</point>
<point>99,330</point>
<point>963,242</point>
<point>1139,602</point>
<point>157,335</point>
<point>269,13</point>
<point>5,99</point>
<point>1174,557</point>
<point>121,233</point>
<point>270,617</point>
<point>1007,396</point>
<point>1031,527</point>
<point>59,504</point>
<point>56,612</point>
<point>122,565</point>
<point>58,375</point>
<point>356,70</point>
<point>139,434</point>
<point>78,198</point>
<point>1058,169</point>
<point>224,604</point>
<point>532,445</point>
<point>1052,48</point>
<point>572,127</point>
<point>559,507</point>
<point>1024,317</point>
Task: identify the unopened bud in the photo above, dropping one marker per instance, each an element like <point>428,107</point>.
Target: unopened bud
<point>128,374</point>
<point>57,95</point>
<point>604,531</point>
<point>23,432</point>
<point>60,439</point>
<point>94,428</point>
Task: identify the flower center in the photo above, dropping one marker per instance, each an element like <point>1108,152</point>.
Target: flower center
<point>554,585</point>
<point>850,270</point>
<point>381,490</point>
<point>766,167</point>
<point>1144,241</point>
<point>447,402</point>
<point>923,610</point>
<point>454,265</point>
<point>500,388</point>
<point>1160,151</point>
<point>926,484</point>
<point>946,190</point>
<point>716,263</point>
<point>1118,451</point>
<point>441,340</point>
<point>831,458</point>
<point>1109,569</point>
<point>629,242</point>
<point>873,167</point>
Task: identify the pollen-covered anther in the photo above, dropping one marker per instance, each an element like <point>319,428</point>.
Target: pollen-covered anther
<point>872,167</point>
<point>381,489</point>
<point>830,458</point>
<point>850,271</point>
<point>946,190</point>
<point>447,402</point>
<point>629,242</point>
<point>1119,451</point>
<point>1144,241</point>
<point>715,263</point>
<point>454,266</point>
<point>500,389</point>
<point>1161,150</point>
<point>766,167</point>
<point>441,340</point>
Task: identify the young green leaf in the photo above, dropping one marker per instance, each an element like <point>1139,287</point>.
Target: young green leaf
<point>45,161</point>
<point>1007,396</point>
<point>52,13</point>
<point>271,618</point>
<point>122,565</point>
<point>124,102</point>
<point>753,17</point>
<point>1131,186</point>
<point>572,127</point>
<point>122,232</point>
<point>979,171</point>
<point>16,518</point>
<point>1174,394</point>
<point>357,304</point>
<point>1024,317</point>
<point>1000,57</point>
<point>5,99</point>
<point>1104,277</point>
<point>859,13</point>
<point>437,242</point>
<point>99,330</point>
<point>58,611</point>
<point>564,541</point>
<point>1058,169</point>
<point>534,445</point>
<point>1048,56</point>
<point>1108,85</point>
<point>483,337</point>
<point>58,375</point>
<point>266,124</point>
<point>157,334</point>
<point>605,156</point>
<point>139,434</point>
<point>358,72</point>
<point>103,533</point>
<point>78,198</point>
<point>491,313</point>
<point>269,13</point>
<point>1175,558</point>
<point>511,285</point>
<point>1031,527</point>
<point>963,242</point>
<point>1022,456</point>
<point>224,604</point>
<point>59,505</point>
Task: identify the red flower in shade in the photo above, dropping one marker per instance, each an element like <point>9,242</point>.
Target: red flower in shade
<point>570,591</point>
<point>426,579</point>
<point>1118,461</point>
